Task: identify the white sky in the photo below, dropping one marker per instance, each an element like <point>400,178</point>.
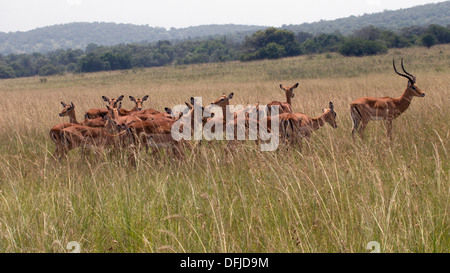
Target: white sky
<point>23,15</point>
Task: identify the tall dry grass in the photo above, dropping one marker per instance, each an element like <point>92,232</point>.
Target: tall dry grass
<point>334,196</point>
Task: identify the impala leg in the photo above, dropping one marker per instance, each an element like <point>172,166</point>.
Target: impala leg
<point>356,127</point>
<point>299,143</point>
<point>358,124</point>
<point>56,154</point>
<point>132,158</point>
<point>389,128</point>
<point>155,153</point>
<point>361,129</point>
<point>231,146</point>
<point>177,151</point>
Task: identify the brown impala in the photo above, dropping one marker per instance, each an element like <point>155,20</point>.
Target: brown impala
<point>69,111</point>
<point>100,112</point>
<point>137,107</point>
<point>284,107</point>
<point>296,126</point>
<point>366,109</point>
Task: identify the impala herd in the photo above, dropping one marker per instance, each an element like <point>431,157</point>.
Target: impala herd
<point>139,128</point>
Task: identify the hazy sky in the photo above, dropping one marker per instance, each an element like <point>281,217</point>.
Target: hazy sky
<point>23,15</point>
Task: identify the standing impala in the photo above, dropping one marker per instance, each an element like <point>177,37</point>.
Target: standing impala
<point>69,111</point>
<point>100,112</point>
<point>137,107</point>
<point>284,107</point>
<point>296,126</point>
<point>366,109</point>
<point>89,137</point>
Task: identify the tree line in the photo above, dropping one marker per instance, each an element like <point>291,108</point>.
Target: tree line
<point>271,43</point>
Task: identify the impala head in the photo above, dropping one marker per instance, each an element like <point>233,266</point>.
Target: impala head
<point>223,101</point>
<point>68,108</point>
<point>411,87</point>
<point>138,101</point>
<point>329,115</point>
<point>289,89</point>
<point>175,115</point>
<point>194,106</point>
<point>114,110</point>
<point>112,102</point>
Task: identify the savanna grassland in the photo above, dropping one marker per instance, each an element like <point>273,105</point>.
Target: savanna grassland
<point>335,195</point>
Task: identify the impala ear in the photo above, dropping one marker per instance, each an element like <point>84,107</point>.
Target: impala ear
<point>120,98</point>
<point>295,85</point>
<point>63,104</point>
<point>107,107</point>
<point>331,106</point>
<point>230,96</point>
<point>105,98</point>
<point>71,105</point>
<point>192,101</point>
<point>132,98</point>
<point>145,98</point>
<point>168,110</point>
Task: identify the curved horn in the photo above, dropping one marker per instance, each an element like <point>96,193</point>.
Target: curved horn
<point>409,74</point>
<point>403,75</point>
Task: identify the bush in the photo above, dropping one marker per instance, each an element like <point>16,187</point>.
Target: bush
<point>6,72</point>
<point>359,47</point>
<point>323,43</point>
<point>91,63</point>
<point>441,34</point>
<point>272,43</point>
<point>48,70</point>
<point>428,40</point>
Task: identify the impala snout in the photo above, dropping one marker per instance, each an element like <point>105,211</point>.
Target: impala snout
<point>61,115</point>
<point>423,95</point>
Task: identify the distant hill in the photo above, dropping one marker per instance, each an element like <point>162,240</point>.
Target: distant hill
<point>79,35</point>
<point>423,15</point>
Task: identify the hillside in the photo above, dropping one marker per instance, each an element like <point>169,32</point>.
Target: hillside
<point>423,15</point>
<point>79,35</point>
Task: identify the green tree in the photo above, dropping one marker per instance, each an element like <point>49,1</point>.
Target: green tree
<point>323,43</point>
<point>360,47</point>
<point>91,63</point>
<point>442,34</point>
<point>48,70</point>
<point>428,40</point>
<point>269,44</point>
<point>6,72</point>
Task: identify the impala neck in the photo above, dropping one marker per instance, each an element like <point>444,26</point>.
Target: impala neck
<point>125,112</point>
<point>404,101</point>
<point>288,98</point>
<point>72,117</point>
<point>318,122</point>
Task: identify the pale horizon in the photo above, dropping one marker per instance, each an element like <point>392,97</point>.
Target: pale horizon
<point>187,13</point>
